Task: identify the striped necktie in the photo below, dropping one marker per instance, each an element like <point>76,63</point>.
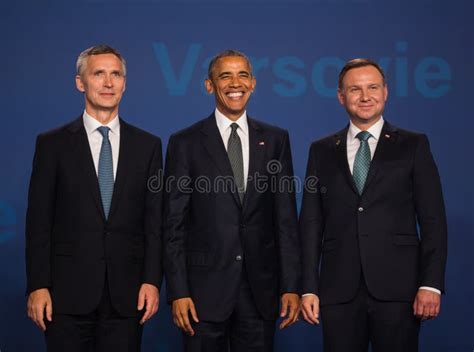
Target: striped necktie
<point>234,151</point>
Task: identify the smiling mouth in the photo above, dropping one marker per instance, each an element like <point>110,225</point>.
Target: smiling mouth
<point>235,95</point>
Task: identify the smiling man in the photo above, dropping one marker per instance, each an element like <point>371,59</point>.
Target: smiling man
<point>93,228</point>
<point>231,248</point>
<point>364,261</point>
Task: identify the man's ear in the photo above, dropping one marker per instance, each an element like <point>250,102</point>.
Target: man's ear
<point>254,83</point>
<point>209,86</point>
<point>79,84</point>
<point>340,96</point>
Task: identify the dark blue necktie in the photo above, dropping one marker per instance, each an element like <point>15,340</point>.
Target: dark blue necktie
<point>106,170</point>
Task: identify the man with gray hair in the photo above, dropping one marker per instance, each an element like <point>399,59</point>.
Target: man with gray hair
<point>93,227</point>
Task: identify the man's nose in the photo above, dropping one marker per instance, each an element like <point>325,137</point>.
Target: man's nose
<point>234,81</point>
<point>365,94</point>
<point>108,81</point>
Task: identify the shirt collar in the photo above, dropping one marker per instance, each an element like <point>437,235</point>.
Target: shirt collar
<point>223,122</point>
<point>91,124</point>
<point>374,130</point>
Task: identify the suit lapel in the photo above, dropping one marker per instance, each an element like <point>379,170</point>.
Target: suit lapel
<point>82,152</point>
<point>214,146</point>
<point>388,136</point>
<point>256,158</point>
<point>123,165</point>
<point>340,144</point>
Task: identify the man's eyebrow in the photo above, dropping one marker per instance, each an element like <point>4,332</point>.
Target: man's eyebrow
<point>224,73</point>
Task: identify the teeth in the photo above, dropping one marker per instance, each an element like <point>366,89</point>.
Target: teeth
<point>235,95</point>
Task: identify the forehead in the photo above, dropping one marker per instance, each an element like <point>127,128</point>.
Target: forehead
<point>104,61</point>
<point>231,63</point>
<point>367,74</point>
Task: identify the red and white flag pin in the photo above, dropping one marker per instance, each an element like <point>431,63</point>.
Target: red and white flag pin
<point>261,143</point>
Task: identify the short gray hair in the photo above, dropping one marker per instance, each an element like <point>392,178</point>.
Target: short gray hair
<point>226,53</point>
<point>81,62</point>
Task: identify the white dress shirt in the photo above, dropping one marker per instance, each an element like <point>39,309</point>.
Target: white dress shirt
<point>223,124</point>
<point>95,139</point>
<point>353,144</point>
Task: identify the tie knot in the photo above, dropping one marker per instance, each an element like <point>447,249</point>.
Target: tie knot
<point>234,127</point>
<point>104,131</point>
<point>363,136</point>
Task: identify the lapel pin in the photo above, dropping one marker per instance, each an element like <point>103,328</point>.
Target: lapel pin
<point>338,142</point>
<point>261,143</point>
<point>387,136</point>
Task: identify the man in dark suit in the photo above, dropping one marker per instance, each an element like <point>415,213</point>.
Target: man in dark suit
<point>363,259</point>
<point>230,237</point>
<point>93,227</point>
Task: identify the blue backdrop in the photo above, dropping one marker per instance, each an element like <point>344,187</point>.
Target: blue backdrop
<point>297,48</point>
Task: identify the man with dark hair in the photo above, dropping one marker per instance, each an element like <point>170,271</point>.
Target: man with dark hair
<point>231,250</point>
<point>363,259</point>
<point>93,227</point>
<point>356,63</point>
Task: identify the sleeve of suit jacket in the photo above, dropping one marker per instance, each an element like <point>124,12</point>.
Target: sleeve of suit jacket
<point>286,222</point>
<point>311,226</point>
<point>152,266</point>
<point>176,208</point>
<point>39,216</point>
<point>431,217</point>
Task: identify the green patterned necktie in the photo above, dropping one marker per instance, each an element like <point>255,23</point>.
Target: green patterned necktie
<point>362,161</point>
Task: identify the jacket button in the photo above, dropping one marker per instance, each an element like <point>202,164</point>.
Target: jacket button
<point>360,209</point>
<point>238,258</point>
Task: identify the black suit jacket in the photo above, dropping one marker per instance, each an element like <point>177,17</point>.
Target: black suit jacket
<point>210,237</point>
<point>69,245</point>
<point>343,233</point>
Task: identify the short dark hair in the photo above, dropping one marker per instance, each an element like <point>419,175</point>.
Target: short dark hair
<point>98,50</point>
<point>226,53</point>
<point>356,63</point>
